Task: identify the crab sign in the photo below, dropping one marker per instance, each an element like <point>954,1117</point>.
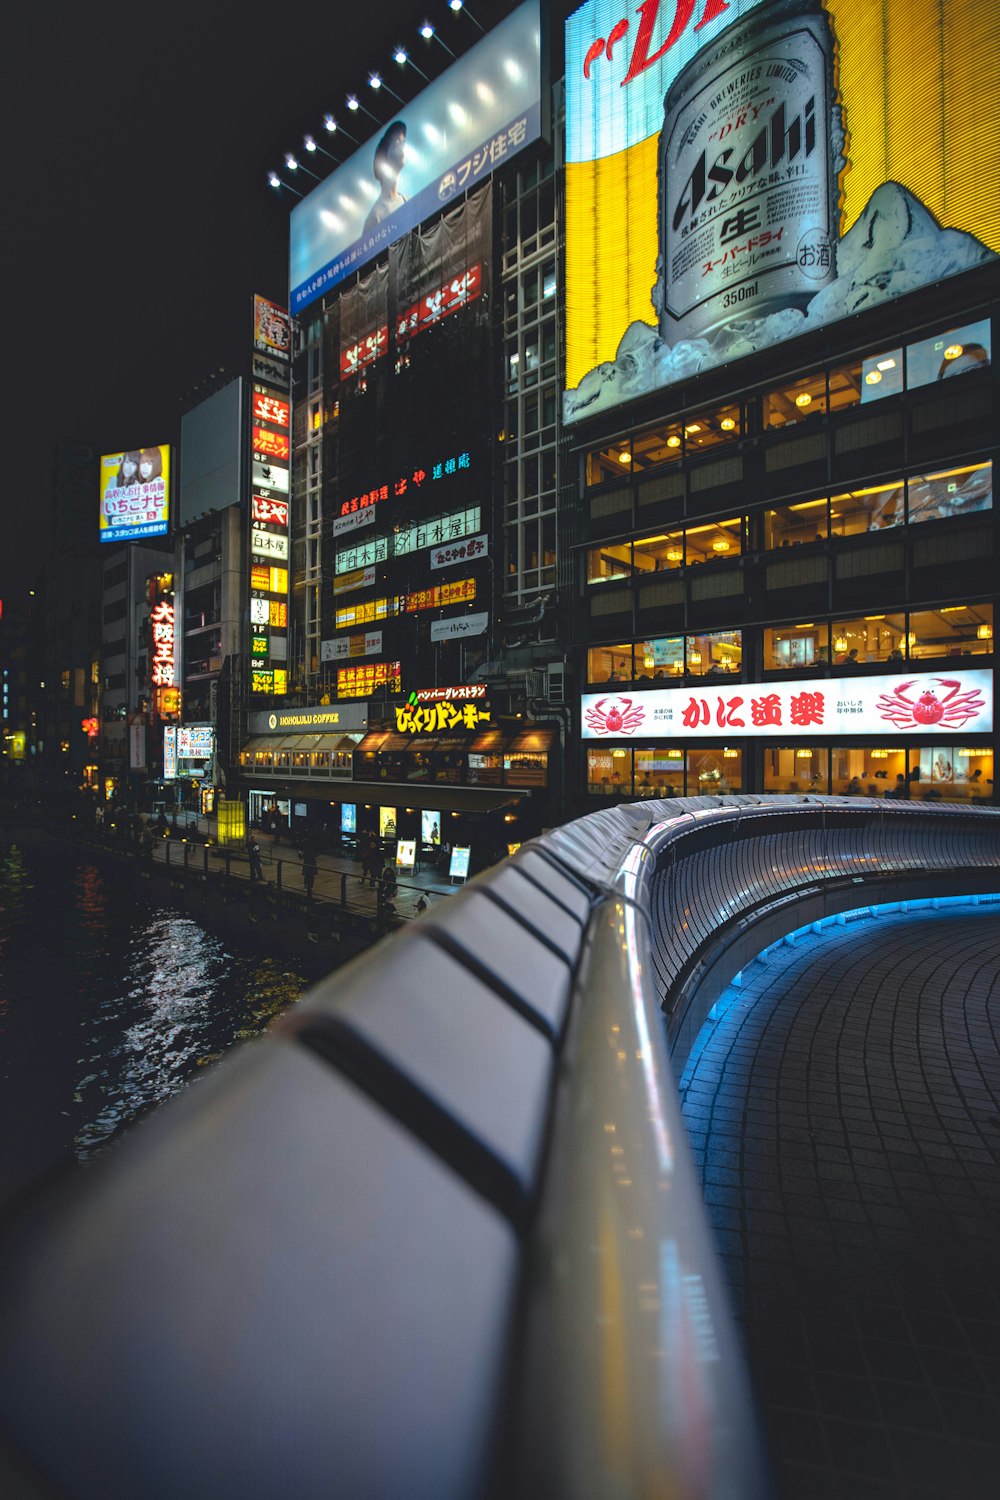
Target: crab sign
<point>952,711</point>
<point>621,718</point>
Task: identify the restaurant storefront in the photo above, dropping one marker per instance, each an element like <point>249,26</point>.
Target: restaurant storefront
<point>922,736</point>
<point>291,752</point>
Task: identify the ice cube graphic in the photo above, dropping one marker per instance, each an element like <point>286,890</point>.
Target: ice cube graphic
<point>896,246</point>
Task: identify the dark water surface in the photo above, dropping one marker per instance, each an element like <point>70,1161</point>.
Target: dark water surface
<point>111,1000</point>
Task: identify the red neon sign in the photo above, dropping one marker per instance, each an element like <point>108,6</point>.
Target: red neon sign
<point>447,299</point>
<point>274,511</point>
<point>367,349</point>
<point>267,408</point>
<point>270,444</point>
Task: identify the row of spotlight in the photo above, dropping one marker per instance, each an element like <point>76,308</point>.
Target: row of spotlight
<point>375,82</point>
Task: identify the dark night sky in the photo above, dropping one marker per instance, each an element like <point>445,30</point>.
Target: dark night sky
<point>138,219</point>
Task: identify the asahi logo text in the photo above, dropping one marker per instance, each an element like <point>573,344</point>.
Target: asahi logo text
<point>774,143</point>
<point>649,15</point>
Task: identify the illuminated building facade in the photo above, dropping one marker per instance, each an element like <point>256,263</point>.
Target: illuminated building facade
<point>784,456</point>
<point>424,459</point>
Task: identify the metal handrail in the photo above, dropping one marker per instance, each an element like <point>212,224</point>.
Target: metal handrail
<point>445,1214</point>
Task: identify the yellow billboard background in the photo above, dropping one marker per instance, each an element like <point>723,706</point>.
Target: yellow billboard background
<point>152,518</point>
<point>918,81</point>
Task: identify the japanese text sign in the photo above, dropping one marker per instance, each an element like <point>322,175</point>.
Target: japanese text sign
<point>921,703</point>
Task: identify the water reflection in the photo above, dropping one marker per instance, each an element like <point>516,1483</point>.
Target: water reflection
<point>109,1004</point>
<point>184,997</point>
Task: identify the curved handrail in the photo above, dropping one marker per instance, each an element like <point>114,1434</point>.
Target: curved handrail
<point>439,1232</point>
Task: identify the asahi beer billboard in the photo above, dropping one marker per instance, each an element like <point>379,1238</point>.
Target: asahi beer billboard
<point>756,169</point>
<point>481,112</point>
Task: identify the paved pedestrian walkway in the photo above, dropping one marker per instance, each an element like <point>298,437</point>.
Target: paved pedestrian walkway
<point>845,1114</point>
<point>338,876</point>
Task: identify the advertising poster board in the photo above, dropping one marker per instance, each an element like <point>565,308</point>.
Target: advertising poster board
<point>406,854</point>
<point>458,869</point>
<point>430,829</point>
<point>741,173</point>
<point>908,703</point>
<point>135,494</point>
<point>348,817</point>
<point>482,111</point>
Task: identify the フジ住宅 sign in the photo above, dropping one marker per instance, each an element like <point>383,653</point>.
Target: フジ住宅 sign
<point>471,120</point>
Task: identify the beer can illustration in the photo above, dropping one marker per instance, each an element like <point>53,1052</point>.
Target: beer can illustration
<point>748,173</point>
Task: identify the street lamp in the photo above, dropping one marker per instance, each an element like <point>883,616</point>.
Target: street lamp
<point>294,165</point>
<point>354,104</point>
<point>311,144</point>
<point>427,32</point>
<point>275,181</point>
<point>377,82</point>
<point>402,57</point>
<point>330,124</point>
<point>457,5</point>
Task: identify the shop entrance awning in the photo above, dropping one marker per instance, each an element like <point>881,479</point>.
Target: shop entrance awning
<point>536,741</point>
<point>425,797</point>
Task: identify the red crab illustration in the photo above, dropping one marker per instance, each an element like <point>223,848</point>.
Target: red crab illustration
<point>953,710</point>
<point>621,718</point>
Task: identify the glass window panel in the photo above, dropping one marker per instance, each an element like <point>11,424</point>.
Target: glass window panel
<point>600,768</point>
<point>610,663</point>
<point>862,772</point>
<point>661,658</point>
<point>604,464</point>
<point>798,768</point>
<point>794,647</point>
<point>952,492</point>
<point>718,541</point>
<point>716,655</point>
<point>795,402</point>
<point>708,429</point>
<point>655,553</point>
<point>953,630</point>
<point>882,375</point>
<point>714,772</point>
<point>845,386</point>
<point>609,562</point>
<point>659,773</point>
<point>955,352</point>
<point>791,525</point>
<point>661,445</point>
<point>870,509</point>
<point>869,638</point>
<point>950,773</point>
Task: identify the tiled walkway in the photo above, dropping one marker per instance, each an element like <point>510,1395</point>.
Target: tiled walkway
<point>845,1110</point>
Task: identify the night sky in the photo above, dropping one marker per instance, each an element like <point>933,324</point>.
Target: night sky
<point>138,217</point>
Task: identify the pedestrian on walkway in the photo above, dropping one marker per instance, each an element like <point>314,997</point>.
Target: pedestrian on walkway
<point>256,868</point>
<point>308,870</point>
<point>385,896</point>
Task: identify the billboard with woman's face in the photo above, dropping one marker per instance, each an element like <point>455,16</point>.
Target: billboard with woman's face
<point>482,111</point>
<point>135,494</point>
<point>742,171</point>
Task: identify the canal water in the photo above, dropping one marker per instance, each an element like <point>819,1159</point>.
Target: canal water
<point>111,1000</point>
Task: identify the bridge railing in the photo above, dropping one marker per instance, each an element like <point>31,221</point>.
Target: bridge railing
<point>439,1233</point>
